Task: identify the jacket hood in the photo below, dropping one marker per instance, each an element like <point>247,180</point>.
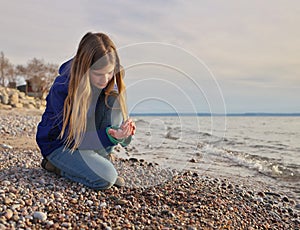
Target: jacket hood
<point>65,67</point>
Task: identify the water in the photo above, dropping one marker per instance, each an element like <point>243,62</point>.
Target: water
<point>264,149</point>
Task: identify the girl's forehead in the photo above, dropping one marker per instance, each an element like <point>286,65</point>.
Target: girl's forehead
<point>104,70</point>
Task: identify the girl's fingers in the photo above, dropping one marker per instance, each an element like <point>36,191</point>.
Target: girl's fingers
<point>127,128</point>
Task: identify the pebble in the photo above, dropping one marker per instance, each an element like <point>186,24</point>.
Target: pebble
<point>6,183</point>
<point>103,204</point>
<point>7,200</point>
<point>66,224</point>
<point>5,146</point>
<point>43,200</point>
<point>8,214</point>
<point>28,217</point>
<point>49,223</point>
<point>285,199</point>
<point>259,199</point>
<point>122,202</point>
<point>89,202</point>
<point>40,215</point>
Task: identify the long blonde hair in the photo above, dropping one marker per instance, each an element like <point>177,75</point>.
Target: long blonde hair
<point>92,48</point>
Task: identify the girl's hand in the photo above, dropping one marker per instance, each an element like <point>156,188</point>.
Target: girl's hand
<point>127,128</point>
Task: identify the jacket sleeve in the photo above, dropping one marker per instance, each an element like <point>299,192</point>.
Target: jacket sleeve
<point>55,103</point>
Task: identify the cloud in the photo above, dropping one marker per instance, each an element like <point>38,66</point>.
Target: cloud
<point>46,29</point>
<point>252,44</point>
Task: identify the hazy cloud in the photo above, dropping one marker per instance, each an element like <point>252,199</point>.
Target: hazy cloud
<point>250,46</point>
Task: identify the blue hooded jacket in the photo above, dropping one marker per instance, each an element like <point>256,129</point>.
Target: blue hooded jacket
<point>50,126</point>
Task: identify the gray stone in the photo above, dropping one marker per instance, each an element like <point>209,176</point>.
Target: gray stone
<point>40,215</point>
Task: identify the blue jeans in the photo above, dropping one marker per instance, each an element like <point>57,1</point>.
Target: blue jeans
<point>84,166</point>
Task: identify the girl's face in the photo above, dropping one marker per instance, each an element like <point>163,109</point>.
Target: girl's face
<point>101,77</point>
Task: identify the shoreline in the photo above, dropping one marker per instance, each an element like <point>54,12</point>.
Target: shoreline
<point>153,198</point>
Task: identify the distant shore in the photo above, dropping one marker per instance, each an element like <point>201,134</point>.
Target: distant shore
<point>218,114</point>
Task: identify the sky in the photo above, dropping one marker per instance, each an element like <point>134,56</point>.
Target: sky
<point>179,56</point>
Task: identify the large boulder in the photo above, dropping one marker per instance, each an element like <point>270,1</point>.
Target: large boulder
<point>14,98</point>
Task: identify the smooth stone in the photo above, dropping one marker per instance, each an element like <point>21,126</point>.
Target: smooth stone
<point>28,217</point>
<point>272,194</point>
<point>58,195</point>
<point>8,214</point>
<point>43,201</point>
<point>66,224</point>
<point>260,199</point>
<point>103,204</point>
<point>191,228</point>
<point>50,223</point>
<point>7,200</point>
<point>122,202</point>
<point>6,183</point>
<point>5,146</point>
<point>40,215</point>
<point>89,202</point>
<point>285,199</point>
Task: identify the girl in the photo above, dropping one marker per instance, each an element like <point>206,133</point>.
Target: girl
<point>85,107</point>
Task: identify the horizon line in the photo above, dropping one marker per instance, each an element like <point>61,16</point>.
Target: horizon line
<point>216,114</point>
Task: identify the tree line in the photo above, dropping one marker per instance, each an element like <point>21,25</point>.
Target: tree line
<point>35,70</point>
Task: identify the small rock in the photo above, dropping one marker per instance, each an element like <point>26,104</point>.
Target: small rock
<point>89,202</point>
<point>43,201</point>
<point>73,201</point>
<point>15,206</point>
<point>261,194</point>
<point>272,194</point>
<point>191,228</point>
<point>103,204</point>
<point>28,217</point>
<point>6,182</point>
<point>58,195</point>
<point>285,199</point>
<point>297,206</point>
<point>5,146</point>
<point>7,200</point>
<point>133,159</point>
<point>40,215</point>
<point>66,224</point>
<point>259,199</point>
<point>167,213</point>
<point>122,202</point>
<point>50,223</point>
<point>28,202</point>
<point>8,214</point>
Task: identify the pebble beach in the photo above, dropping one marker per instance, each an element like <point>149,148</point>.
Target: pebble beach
<point>153,198</point>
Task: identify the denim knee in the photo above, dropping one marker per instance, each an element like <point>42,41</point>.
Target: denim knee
<point>101,183</point>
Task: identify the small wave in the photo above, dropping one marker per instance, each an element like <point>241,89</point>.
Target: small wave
<point>141,122</point>
<point>267,166</point>
<point>271,147</point>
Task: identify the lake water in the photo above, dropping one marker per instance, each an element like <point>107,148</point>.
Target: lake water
<point>263,149</point>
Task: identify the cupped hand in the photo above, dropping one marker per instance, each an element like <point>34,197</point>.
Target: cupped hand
<point>127,128</point>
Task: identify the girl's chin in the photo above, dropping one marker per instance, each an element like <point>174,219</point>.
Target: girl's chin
<point>100,86</point>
